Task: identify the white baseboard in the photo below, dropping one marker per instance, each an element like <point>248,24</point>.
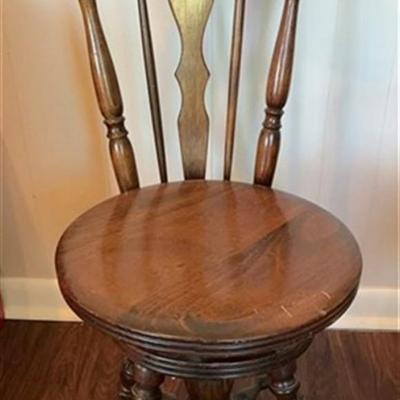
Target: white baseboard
<point>34,299</point>
<point>40,299</point>
<point>374,308</point>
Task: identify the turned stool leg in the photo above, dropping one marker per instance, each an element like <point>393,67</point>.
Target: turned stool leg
<point>283,382</point>
<point>208,390</point>
<point>127,381</point>
<point>147,384</point>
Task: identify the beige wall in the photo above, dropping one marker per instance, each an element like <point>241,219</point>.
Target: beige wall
<point>339,140</point>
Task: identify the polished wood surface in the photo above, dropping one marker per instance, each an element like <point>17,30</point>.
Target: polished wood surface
<point>206,281</point>
<point>64,361</point>
<point>151,76</point>
<point>277,93</point>
<point>191,17</point>
<point>233,89</point>
<point>109,98</point>
<point>208,261</point>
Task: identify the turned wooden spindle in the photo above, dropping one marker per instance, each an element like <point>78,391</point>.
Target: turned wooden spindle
<point>109,98</point>
<point>283,382</point>
<point>277,93</point>
<point>233,90</point>
<point>127,380</point>
<point>147,384</point>
<point>152,88</point>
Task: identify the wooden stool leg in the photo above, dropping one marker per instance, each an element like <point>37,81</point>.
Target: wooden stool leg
<point>147,384</point>
<point>127,381</point>
<point>208,390</point>
<point>283,382</point>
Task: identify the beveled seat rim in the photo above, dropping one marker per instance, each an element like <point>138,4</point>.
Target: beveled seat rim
<point>241,347</point>
<point>159,339</point>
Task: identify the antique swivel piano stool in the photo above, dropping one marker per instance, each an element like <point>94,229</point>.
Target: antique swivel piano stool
<point>207,281</point>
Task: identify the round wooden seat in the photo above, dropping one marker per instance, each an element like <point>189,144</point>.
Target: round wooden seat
<point>208,262</point>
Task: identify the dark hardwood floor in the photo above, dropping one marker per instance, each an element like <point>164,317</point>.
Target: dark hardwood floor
<point>69,361</point>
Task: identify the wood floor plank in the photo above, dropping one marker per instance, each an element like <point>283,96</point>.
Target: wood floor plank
<point>65,361</point>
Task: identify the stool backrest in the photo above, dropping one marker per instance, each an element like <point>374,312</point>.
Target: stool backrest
<point>192,74</point>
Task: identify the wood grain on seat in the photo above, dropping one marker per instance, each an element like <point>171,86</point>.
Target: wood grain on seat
<point>208,261</point>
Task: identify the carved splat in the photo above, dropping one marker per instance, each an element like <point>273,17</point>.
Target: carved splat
<point>192,75</point>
